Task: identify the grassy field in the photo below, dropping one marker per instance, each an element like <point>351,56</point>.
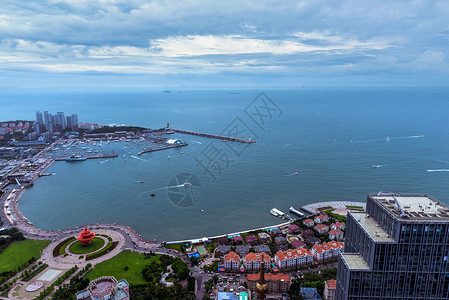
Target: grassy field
<point>115,267</point>
<point>19,253</point>
<point>78,248</point>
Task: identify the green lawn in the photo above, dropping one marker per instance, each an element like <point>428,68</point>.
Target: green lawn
<point>19,253</point>
<point>78,248</point>
<point>115,267</point>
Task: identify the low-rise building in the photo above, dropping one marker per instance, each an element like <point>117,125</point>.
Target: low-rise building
<point>329,289</point>
<point>263,249</point>
<point>291,259</point>
<point>264,237</point>
<point>254,260</point>
<point>321,228</point>
<point>327,251</point>
<point>338,225</point>
<point>223,240</point>
<point>312,240</point>
<point>293,228</point>
<point>223,249</point>
<point>242,250</point>
<point>232,262</point>
<point>280,240</point>
<point>298,244</point>
<point>237,240</point>
<point>277,283</point>
<point>105,288</point>
<point>308,222</point>
<point>307,233</point>
<point>321,219</point>
<point>251,240</point>
<point>276,232</point>
<point>336,234</point>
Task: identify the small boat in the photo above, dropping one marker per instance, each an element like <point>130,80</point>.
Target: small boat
<point>296,173</point>
<point>168,157</point>
<point>152,195</point>
<point>375,166</point>
<point>187,184</point>
<point>141,181</point>
<point>202,210</point>
<point>75,158</point>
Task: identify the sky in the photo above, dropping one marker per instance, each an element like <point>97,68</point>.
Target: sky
<point>222,44</point>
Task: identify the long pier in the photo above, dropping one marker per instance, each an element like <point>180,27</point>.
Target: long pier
<point>90,157</point>
<point>162,148</point>
<point>213,136</point>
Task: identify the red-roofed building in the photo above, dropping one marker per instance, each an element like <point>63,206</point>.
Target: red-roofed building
<point>326,251</point>
<point>329,289</point>
<point>277,283</point>
<point>290,259</point>
<point>254,260</point>
<point>294,228</point>
<point>251,240</point>
<point>321,219</point>
<point>298,244</point>
<point>308,222</point>
<point>237,240</point>
<point>231,261</point>
<point>321,228</point>
<point>339,226</point>
<point>335,234</point>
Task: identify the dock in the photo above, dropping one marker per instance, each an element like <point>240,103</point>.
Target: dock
<point>91,156</point>
<point>162,148</point>
<point>213,136</point>
<point>315,207</point>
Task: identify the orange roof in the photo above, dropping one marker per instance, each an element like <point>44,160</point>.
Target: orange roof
<point>321,226</point>
<point>269,276</point>
<point>339,224</point>
<point>232,256</point>
<point>335,232</point>
<point>283,255</point>
<point>331,284</point>
<point>322,217</point>
<point>257,257</point>
<point>307,221</point>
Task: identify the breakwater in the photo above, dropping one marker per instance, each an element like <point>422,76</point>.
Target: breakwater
<point>213,136</point>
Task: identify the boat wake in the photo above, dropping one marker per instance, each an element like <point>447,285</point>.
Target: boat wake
<point>186,184</point>
<point>102,162</point>
<point>438,170</point>
<point>387,139</point>
<point>196,142</point>
<point>292,174</point>
<point>135,157</point>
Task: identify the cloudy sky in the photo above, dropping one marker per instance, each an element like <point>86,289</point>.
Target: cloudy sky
<point>223,44</point>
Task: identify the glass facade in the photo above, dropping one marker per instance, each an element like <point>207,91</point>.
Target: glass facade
<point>411,266</point>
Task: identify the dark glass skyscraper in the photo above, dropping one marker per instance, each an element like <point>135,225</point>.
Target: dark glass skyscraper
<point>398,249</point>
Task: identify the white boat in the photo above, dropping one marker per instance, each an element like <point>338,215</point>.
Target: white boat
<point>276,212</point>
<point>187,184</point>
<point>296,212</point>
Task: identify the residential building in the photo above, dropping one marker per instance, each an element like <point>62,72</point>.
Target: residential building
<point>263,249</point>
<point>336,234</point>
<point>237,240</point>
<point>338,225</point>
<point>251,240</point>
<point>329,289</point>
<point>280,240</point>
<point>277,283</point>
<point>291,259</point>
<point>327,251</point>
<point>254,260</point>
<point>223,249</point>
<point>223,240</point>
<point>321,219</point>
<point>312,240</point>
<point>298,244</point>
<point>276,232</point>
<point>293,228</point>
<point>397,249</point>
<point>321,228</point>
<point>39,118</point>
<point>308,222</point>
<point>242,250</point>
<point>105,288</point>
<point>264,237</point>
<point>232,262</point>
<point>307,232</point>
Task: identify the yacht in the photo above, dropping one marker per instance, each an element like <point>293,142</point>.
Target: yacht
<point>75,158</point>
<point>277,213</point>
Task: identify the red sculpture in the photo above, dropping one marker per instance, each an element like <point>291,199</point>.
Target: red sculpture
<point>86,236</point>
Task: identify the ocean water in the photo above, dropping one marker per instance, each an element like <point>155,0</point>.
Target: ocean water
<point>331,136</point>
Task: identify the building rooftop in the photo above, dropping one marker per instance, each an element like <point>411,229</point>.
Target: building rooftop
<point>370,225</point>
<point>354,261</point>
<point>413,206</point>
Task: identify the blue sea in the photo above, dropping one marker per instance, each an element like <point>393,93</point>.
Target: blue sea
<point>330,136</point>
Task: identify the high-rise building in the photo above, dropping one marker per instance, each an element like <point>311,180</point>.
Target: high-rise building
<point>69,122</point>
<point>75,121</point>
<point>39,118</point>
<point>60,120</point>
<point>397,249</point>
